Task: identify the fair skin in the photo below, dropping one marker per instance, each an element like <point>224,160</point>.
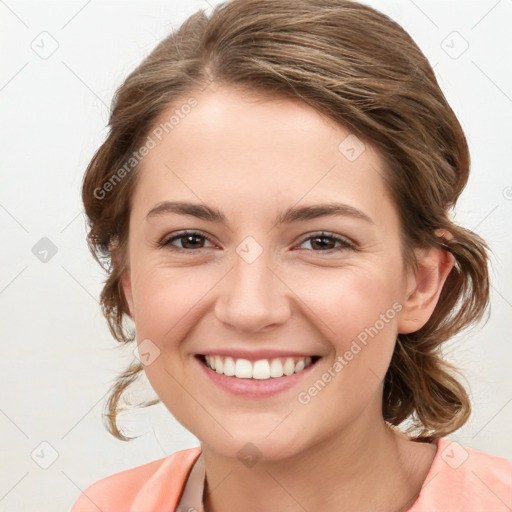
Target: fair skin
<point>251,158</point>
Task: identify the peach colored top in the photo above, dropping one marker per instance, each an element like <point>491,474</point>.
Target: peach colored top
<point>459,480</point>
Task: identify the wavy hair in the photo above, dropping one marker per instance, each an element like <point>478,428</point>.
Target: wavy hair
<point>361,69</point>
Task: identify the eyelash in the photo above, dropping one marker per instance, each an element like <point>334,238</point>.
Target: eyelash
<point>346,244</point>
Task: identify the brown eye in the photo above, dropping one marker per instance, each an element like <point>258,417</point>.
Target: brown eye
<point>187,241</point>
<point>326,242</point>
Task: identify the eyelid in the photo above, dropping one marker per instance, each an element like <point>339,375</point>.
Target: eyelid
<point>165,241</point>
<point>346,243</point>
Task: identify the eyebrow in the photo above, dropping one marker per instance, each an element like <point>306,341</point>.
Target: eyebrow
<point>293,214</point>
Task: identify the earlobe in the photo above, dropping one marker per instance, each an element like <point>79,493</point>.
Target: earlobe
<point>424,288</point>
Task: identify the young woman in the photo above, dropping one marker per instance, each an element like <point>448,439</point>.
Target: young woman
<point>273,204</point>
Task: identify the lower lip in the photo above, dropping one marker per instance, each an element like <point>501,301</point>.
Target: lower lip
<point>254,388</point>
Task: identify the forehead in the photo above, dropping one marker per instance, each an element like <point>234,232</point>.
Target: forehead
<point>224,145</point>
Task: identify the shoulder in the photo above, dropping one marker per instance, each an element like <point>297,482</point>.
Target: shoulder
<point>156,485</point>
<point>465,479</point>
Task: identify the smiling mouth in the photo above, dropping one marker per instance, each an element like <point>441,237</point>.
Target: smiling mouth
<point>261,369</point>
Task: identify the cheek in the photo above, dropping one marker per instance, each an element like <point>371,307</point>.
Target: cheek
<point>361,318</point>
<point>164,297</point>
<point>357,313</point>
<point>351,301</point>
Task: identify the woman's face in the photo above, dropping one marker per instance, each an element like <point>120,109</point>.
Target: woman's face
<point>269,273</point>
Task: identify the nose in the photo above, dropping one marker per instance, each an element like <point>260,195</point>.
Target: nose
<point>252,297</point>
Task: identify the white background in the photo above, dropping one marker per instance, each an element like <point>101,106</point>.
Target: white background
<point>58,358</point>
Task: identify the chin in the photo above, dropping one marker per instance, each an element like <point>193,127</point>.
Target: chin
<point>251,450</point>
<point>255,442</point>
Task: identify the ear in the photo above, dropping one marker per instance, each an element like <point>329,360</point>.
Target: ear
<point>126,286</point>
<point>424,286</point>
<point>125,279</point>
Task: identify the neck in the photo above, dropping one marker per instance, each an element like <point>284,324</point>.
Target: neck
<point>363,469</point>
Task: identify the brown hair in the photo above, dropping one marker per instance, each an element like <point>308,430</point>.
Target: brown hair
<point>360,68</point>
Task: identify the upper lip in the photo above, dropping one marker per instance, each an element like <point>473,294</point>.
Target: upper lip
<point>255,355</point>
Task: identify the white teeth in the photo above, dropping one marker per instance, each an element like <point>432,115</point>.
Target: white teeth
<point>276,368</point>
<point>243,369</point>
<point>219,365</point>
<point>298,367</point>
<point>262,369</point>
<point>229,367</point>
<point>289,366</point>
